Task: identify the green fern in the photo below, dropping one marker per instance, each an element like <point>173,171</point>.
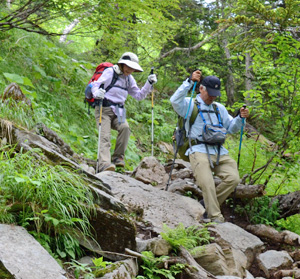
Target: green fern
<point>187,237</point>
<point>151,268</point>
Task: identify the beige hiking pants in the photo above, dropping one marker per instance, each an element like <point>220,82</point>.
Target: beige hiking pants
<point>226,170</point>
<point>110,121</point>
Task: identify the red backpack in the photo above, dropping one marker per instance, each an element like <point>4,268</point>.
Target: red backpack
<point>97,74</point>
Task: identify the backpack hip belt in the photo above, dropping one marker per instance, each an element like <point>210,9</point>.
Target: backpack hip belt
<point>196,141</point>
<point>108,103</point>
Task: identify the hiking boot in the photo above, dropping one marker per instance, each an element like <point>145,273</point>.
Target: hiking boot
<point>205,213</point>
<point>218,220</point>
<point>119,162</point>
<point>206,220</point>
<point>213,220</point>
<point>108,167</point>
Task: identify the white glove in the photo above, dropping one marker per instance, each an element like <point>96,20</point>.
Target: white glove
<point>152,79</point>
<point>99,93</point>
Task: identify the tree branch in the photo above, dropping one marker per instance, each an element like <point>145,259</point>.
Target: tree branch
<point>200,44</point>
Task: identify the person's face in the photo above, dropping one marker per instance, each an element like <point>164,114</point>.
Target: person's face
<point>127,70</point>
<point>205,97</point>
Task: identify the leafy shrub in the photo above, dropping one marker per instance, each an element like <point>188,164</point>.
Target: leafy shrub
<point>85,271</point>
<point>291,223</point>
<point>261,210</point>
<point>151,269</point>
<point>187,237</point>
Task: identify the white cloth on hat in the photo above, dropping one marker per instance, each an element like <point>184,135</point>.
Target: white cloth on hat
<point>117,69</point>
<point>131,60</point>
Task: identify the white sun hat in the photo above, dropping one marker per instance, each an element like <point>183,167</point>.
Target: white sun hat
<point>131,60</point>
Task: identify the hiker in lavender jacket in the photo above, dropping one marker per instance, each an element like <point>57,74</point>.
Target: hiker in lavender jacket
<point>113,110</point>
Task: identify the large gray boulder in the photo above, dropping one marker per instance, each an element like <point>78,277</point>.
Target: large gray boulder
<point>151,171</point>
<point>272,260</point>
<point>24,258</point>
<point>230,235</point>
<point>126,269</point>
<point>113,232</point>
<point>158,207</point>
<point>221,261</point>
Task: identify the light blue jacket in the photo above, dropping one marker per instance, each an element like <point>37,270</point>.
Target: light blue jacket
<point>180,104</point>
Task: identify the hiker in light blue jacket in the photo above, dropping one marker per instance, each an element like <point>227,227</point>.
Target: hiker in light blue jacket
<point>210,158</point>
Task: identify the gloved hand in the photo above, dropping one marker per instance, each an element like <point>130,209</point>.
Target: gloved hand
<point>152,79</point>
<point>99,93</point>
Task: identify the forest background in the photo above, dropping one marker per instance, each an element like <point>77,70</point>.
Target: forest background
<point>51,48</point>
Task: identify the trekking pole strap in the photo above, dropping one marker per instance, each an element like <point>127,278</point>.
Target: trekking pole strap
<point>241,139</point>
<point>187,113</point>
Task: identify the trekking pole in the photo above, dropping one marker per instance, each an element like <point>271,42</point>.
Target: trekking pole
<point>152,125</point>
<point>238,164</point>
<point>176,151</point>
<point>241,139</point>
<point>99,131</point>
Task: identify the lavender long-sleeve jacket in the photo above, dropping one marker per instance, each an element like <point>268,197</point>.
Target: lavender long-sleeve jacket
<point>125,85</point>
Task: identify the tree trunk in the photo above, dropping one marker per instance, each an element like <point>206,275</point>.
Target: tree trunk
<point>289,204</point>
<point>249,75</point>
<point>71,26</point>
<point>248,63</point>
<point>68,29</point>
<point>249,191</point>
<point>229,86</point>
<point>268,232</point>
<point>229,82</point>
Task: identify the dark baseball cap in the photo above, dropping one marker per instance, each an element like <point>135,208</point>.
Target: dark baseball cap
<point>213,85</point>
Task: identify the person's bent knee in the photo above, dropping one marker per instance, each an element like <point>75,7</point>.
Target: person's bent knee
<point>233,179</point>
<point>124,127</point>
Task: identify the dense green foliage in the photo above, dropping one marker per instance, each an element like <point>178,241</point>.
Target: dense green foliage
<point>261,211</point>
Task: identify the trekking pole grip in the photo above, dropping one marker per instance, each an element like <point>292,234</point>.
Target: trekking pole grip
<point>244,107</point>
<point>101,100</point>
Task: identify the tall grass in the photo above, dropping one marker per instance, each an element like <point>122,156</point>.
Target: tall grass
<point>48,200</point>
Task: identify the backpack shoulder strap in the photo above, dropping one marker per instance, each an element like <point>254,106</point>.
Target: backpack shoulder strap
<point>217,112</point>
<point>194,113</point>
<point>113,80</point>
<point>216,109</point>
